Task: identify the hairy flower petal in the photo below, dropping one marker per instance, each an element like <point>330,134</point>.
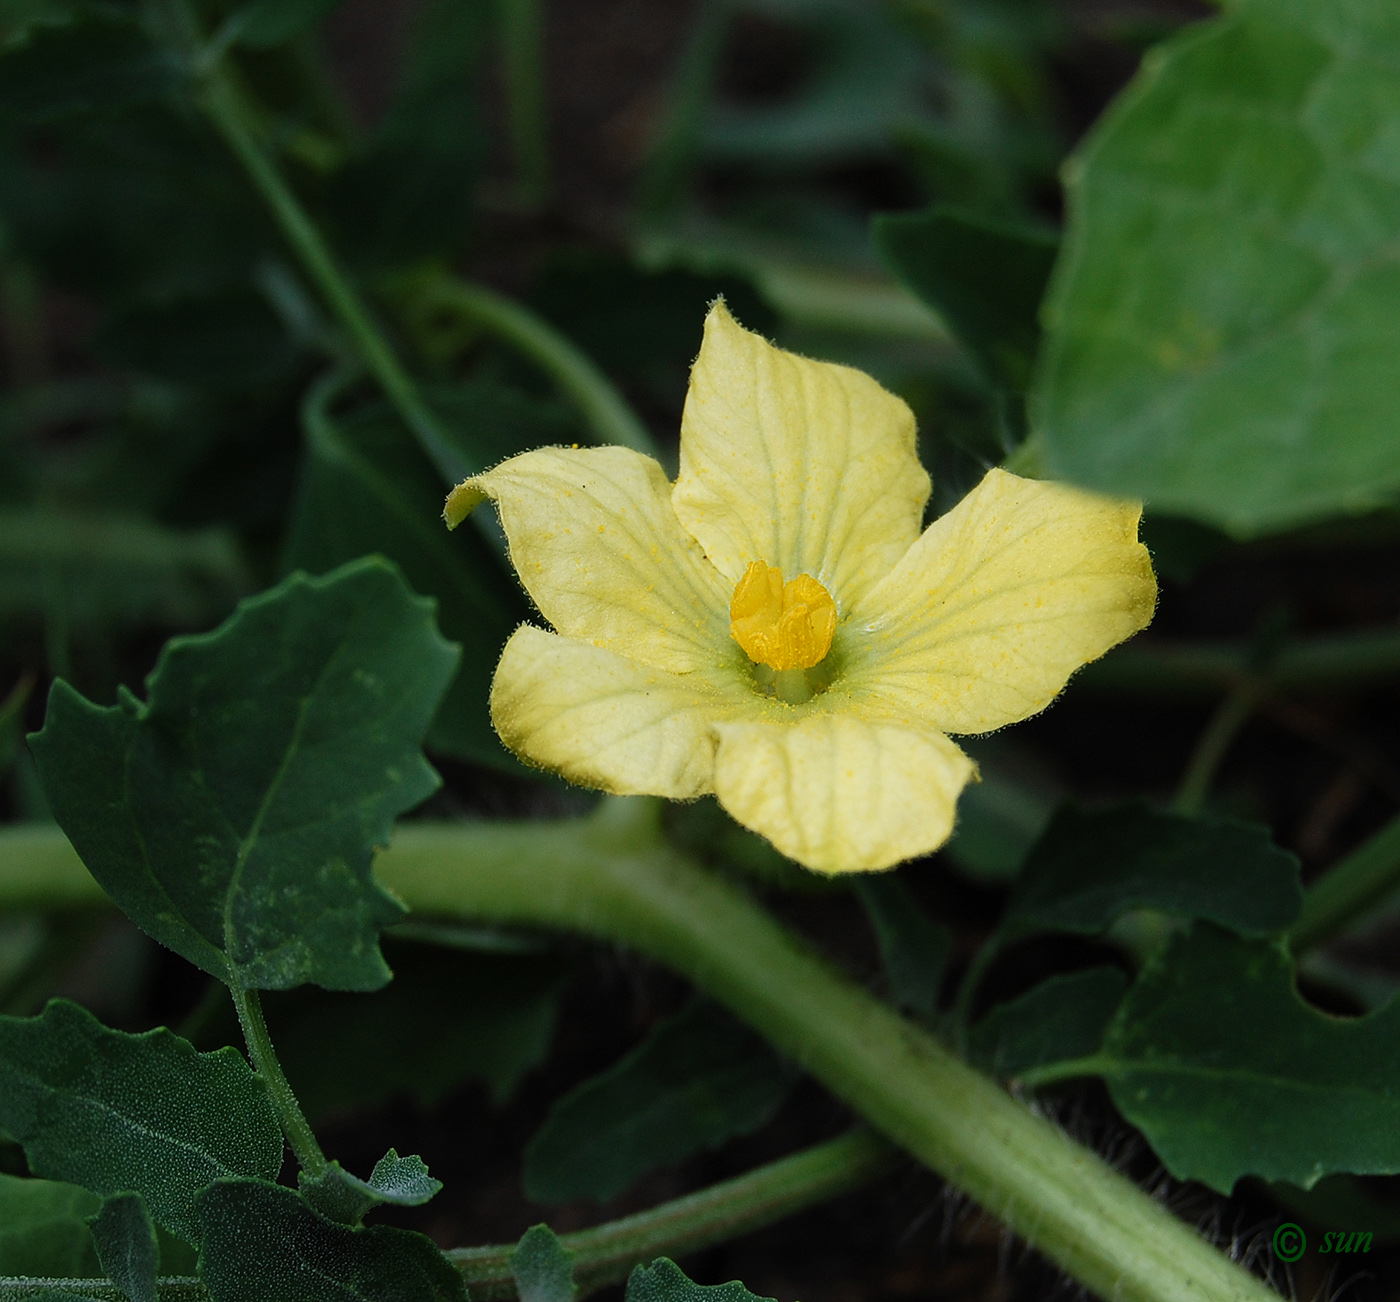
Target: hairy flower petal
<point>604,721</point>
<point>1002,599</point>
<point>806,466</point>
<point>840,793</point>
<point>598,547</point>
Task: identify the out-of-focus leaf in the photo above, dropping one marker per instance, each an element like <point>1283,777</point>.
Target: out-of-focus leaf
<point>446,1018</point>
<point>984,278</point>
<point>126,1245</point>
<point>1215,1058</point>
<point>636,323</point>
<point>95,566</point>
<point>664,1281</point>
<point>263,1241</point>
<point>274,754</point>
<point>229,340</point>
<point>88,59</point>
<point>146,1113</point>
<point>264,23</point>
<point>411,193</point>
<point>914,950</point>
<point>542,1267</point>
<point>1222,329</point>
<point>698,1079</point>
<point>1061,1018</point>
<point>1092,866</point>
<point>367,487</point>
<point>402,1181</point>
<point>44,1230</point>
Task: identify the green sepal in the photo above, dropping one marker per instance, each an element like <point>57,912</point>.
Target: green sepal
<point>1063,1017</point>
<point>234,814</point>
<point>698,1079</point>
<point>127,1246</point>
<point>664,1281</point>
<point>335,1193</point>
<point>1091,867</point>
<point>116,1112</point>
<point>542,1267</point>
<point>1218,1061</point>
<point>264,1241</point>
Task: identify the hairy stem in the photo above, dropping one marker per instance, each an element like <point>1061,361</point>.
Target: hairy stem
<point>606,412</point>
<point>294,1124</point>
<point>606,1253</point>
<point>1091,1221</point>
<point>609,877</point>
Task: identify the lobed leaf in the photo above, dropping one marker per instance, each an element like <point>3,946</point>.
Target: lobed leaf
<point>233,815</point>
<point>1092,866</point>
<point>1216,1059</point>
<point>127,1247</point>
<point>147,1113</point>
<point>402,1181</point>
<point>664,1281</point>
<point>542,1267</point>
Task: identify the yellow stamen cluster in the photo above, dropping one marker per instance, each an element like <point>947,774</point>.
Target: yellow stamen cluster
<point>782,625</point>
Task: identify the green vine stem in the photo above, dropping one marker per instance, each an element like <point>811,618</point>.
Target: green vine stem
<point>294,1124</point>
<point>1230,716</point>
<point>606,412</point>
<point>610,876</point>
<point>606,1253</point>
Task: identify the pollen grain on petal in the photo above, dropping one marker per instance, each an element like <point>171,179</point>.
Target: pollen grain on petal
<point>782,625</point>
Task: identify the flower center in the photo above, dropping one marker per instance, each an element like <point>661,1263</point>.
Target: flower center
<point>782,625</point>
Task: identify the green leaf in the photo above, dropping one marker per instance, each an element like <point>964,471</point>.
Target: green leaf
<point>127,1246</point>
<point>262,1241</point>
<point>44,1230</point>
<point>446,1018</point>
<point>403,1181</point>
<point>82,62</point>
<point>913,949</point>
<point>542,1267</point>
<point>368,487</point>
<point>1222,326</point>
<point>999,818</point>
<point>115,1112</point>
<point>985,279</point>
<point>1061,1018</point>
<point>1091,867</point>
<point>98,566</point>
<point>1215,1058</point>
<point>698,1079</point>
<point>664,1281</point>
<point>272,756</point>
<point>411,193</point>
<point>265,23</point>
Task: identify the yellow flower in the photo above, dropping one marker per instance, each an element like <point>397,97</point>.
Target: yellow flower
<point>774,628</point>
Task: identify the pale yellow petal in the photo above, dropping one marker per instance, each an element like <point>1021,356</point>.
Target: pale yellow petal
<point>804,465</point>
<point>604,721</point>
<point>598,547</point>
<point>999,602</point>
<point>840,793</point>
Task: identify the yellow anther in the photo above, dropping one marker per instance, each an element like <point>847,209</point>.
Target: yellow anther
<point>782,625</point>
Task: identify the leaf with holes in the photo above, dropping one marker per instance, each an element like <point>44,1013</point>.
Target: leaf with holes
<point>234,813</point>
